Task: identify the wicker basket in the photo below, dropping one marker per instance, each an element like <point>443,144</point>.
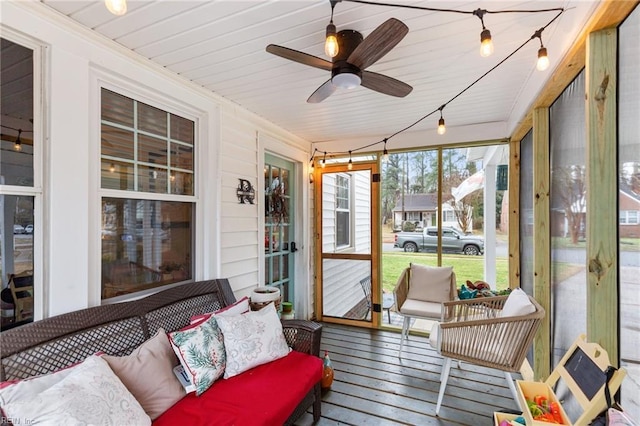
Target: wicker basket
<point>256,306</point>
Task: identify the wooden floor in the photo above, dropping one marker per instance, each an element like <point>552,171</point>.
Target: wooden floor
<point>372,386</point>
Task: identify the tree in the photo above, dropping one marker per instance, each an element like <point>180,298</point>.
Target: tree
<point>570,187</point>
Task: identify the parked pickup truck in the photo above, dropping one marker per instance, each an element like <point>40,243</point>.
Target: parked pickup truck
<point>452,241</point>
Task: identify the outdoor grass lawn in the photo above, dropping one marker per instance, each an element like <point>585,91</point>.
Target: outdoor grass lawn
<point>466,267</point>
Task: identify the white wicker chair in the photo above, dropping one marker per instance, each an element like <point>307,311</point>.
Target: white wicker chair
<point>419,293</point>
<point>474,331</point>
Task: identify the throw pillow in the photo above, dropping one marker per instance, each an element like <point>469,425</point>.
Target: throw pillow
<point>200,349</point>
<point>430,283</point>
<point>148,374</point>
<point>240,307</point>
<point>252,339</point>
<point>517,304</point>
<point>90,394</point>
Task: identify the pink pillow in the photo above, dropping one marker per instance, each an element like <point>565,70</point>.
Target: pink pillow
<point>240,307</point>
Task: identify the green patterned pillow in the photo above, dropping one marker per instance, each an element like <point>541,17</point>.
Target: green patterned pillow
<point>200,349</point>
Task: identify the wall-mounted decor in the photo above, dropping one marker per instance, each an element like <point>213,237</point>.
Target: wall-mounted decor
<point>245,192</point>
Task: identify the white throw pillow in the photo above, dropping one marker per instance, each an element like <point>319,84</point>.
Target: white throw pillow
<point>240,307</point>
<point>430,283</point>
<point>200,349</point>
<point>90,394</point>
<point>517,304</point>
<point>252,339</point>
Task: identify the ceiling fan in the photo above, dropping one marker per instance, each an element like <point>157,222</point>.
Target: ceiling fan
<point>355,53</point>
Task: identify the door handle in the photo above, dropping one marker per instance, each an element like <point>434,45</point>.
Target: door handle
<point>293,247</point>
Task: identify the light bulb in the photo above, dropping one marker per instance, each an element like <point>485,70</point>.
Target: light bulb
<point>117,7</point>
<point>311,167</point>
<point>112,168</point>
<point>486,45</point>
<point>331,47</point>
<point>17,146</point>
<point>441,128</point>
<point>385,156</point>
<point>323,163</point>
<point>543,59</point>
<point>350,165</point>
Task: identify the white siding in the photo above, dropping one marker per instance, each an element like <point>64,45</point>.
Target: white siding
<point>227,233</point>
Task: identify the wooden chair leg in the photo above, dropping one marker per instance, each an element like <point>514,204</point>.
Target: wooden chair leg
<point>444,376</point>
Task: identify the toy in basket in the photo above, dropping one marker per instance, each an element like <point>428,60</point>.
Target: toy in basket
<point>262,296</point>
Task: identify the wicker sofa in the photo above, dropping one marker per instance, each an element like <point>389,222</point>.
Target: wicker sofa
<point>55,343</point>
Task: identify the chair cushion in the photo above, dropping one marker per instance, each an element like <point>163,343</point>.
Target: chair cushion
<point>265,395</point>
<point>433,335</point>
<point>419,308</point>
<point>430,283</point>
<point>517,304</point>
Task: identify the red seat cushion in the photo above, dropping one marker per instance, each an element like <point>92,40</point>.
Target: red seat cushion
<point>265,395</point>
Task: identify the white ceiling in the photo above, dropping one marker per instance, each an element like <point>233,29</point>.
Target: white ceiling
<point>220,45</point>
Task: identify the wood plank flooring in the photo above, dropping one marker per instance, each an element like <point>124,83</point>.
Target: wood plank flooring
<point>372,386</point>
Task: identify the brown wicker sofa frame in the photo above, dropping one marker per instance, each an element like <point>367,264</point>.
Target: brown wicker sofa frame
<point>53,343</point>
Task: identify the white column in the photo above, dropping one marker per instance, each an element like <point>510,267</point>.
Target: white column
<point>490,225</point>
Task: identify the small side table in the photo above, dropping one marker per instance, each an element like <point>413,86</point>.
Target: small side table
<point>387,303</point>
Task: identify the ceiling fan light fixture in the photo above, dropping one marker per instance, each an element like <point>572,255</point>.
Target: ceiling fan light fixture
<point>331,47</point>
<point>346,80</point>
<point>117,7</point>
<point>486,45</point>
<point>543,59</point>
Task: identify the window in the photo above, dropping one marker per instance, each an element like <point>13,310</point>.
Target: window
<point>629,217</point>
<point>146,243</point>
<point>343,210</point>
<point>20,182</point>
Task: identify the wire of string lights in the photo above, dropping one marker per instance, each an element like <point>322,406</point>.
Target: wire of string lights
<point>477,12</point>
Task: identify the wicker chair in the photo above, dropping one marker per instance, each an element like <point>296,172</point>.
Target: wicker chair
<point>474,330</point>
<point>22,291</point>
<point>419,293</point>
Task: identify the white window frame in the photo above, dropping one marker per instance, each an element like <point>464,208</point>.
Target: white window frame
<point>349,179</point>
<point>105,79</point>
<point>629,217</point>
<point>40,71</point>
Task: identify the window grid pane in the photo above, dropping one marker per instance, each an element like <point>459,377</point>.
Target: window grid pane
<point>158,145</point>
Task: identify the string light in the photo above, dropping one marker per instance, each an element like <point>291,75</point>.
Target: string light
<point>117,7</point>
<point>350,165</point>
<point>17,145</point>
<point>331,47</point>
<point>385,153</point>
<point>486,44</point>
<point>112,168</point>
<point>324,160</point>
<point>441,127</point>
<point>542,58</point>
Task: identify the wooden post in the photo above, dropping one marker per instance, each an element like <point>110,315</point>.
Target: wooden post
<point>602,193</point>
<point>542,240</point>
<point>514,214</point>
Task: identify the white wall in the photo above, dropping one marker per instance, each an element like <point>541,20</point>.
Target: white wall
<point>227,233</point>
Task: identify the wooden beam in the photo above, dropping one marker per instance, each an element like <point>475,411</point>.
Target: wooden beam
<point>514,214</point>
<point>602,194</point>
<point>609,14</point>
<point>542,240</point>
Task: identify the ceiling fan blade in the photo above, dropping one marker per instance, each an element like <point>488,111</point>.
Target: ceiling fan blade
<point>322,92</point>
<point>378,43</point>
<point>385,84</point>
<point>300,57</point>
